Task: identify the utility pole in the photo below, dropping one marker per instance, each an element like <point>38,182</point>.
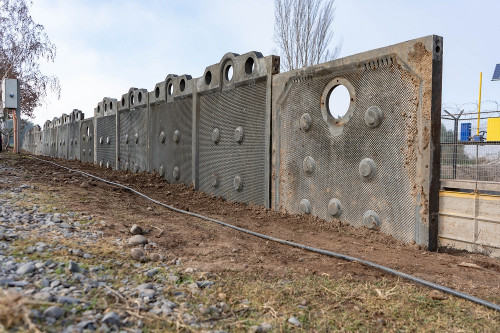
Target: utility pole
<point>11,102</point>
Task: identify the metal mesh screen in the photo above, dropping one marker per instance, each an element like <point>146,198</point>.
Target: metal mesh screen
<point>171,151</point>
<point>62,141</point>
<point>87,140</point>
<point>338,158</point>
<point>106,141</point>
<point>233,170</point>
<point>133,140</point>
<point>74,141</point>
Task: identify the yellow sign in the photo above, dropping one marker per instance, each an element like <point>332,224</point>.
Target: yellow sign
<point>493,130</point>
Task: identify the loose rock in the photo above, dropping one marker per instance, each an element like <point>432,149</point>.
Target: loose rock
<point>137,240</point>
<point>26,268</point>
<point>136,230</point>
<point>54,312</point>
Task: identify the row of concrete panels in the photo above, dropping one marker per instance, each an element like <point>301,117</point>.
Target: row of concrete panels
<point>250,134</point>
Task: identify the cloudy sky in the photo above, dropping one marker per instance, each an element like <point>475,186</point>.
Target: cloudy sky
<point>104,47</point>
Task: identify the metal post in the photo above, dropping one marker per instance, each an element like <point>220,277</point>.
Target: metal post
<point>479,105</point>
<point>455,148</point>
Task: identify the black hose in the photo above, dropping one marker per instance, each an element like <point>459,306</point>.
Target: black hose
<point>298,245</point>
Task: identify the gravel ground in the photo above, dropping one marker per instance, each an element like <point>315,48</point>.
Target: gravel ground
<point>66,290</point>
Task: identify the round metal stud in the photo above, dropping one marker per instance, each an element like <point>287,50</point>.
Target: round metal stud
<point>136,168</point>
<point>161,171</point>
<point>238,183</point>
<point>71,142</point>
<point>101,140</point>
<point>90,152</point>
<point>373,116</point>
<point>305,122</point>
<point>216,135</point>
<point>309,165</point>
<point>367,168</point>
<point>335,207</point>
<point>371,220</point>
<point>305,206</point>
<point>239,134</point>
<point>108,165</point>
<point>136,138</point>
<point>100,163</point>
<point>64,142</point>
<point>163,137</point>
<point>83,152</point>
<point>108,140</point>
<point>126,138</point>
<point>176,173</point>
<point>126,166</point>
<point>215,180</point>
<point>177,136</point>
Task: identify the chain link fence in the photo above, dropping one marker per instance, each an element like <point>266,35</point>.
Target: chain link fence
<point>470,150</point>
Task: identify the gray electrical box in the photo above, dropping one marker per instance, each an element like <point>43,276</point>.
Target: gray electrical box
<point>10,94</point>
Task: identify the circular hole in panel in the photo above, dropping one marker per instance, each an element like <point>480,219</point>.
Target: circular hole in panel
<point>88,131</point>
<point>98,109</point>
<point>132,99</point>
<point>170,89</point>
<point>438,48</point>
<point>110,105</point>
<point>228,73</point>
<point>139,97</point>
<point>123,101</point>
<point>338,101</point>
<point>208,78</point>
<point>182,85</point>
<point>105,107</point>
<point>249,66</point>
<point>157,92</point>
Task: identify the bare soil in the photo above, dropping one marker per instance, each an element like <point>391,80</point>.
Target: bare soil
<point>218,249</point>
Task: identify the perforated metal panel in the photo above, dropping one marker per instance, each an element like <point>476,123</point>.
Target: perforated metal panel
<point>87,140</point>
<point>133,140</point>
<point>106,141</point>
<point>171,140</point>
<point>62,141</point>
<point>372,167</point>
<point>223,163</point>
<point>52,151</point>
<point>74,141</point>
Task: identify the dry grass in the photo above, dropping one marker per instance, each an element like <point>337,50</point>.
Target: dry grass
<point>15,311</point>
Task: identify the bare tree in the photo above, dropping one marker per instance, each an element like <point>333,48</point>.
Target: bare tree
<point>303,32</point>
<point>23,45</point>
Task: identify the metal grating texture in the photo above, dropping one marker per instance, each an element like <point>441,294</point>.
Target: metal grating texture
<point>221,162</point>
<point>62,141</point>
<point>106,141</point>
<point>52,151</point>
<point>234,128</point>
<point>74,141</point>
<point>87,140</point>
<point>171,124</point>
<point>45,140</point>
<point>133,129</point>
<point>365,173</point>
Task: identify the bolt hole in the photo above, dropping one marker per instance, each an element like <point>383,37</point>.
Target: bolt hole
<point>438,49</point>
<point>208,78</point>
<point>157,92</point>
<point>170,89</point>
<point>338,101</point>
<point>249,66</point>
<point>228,73</point>
<point>182,85</point>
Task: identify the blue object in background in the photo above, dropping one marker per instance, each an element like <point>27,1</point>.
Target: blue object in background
<point>465,131</point>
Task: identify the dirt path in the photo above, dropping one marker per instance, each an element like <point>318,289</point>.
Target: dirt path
<point>218,249</point>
